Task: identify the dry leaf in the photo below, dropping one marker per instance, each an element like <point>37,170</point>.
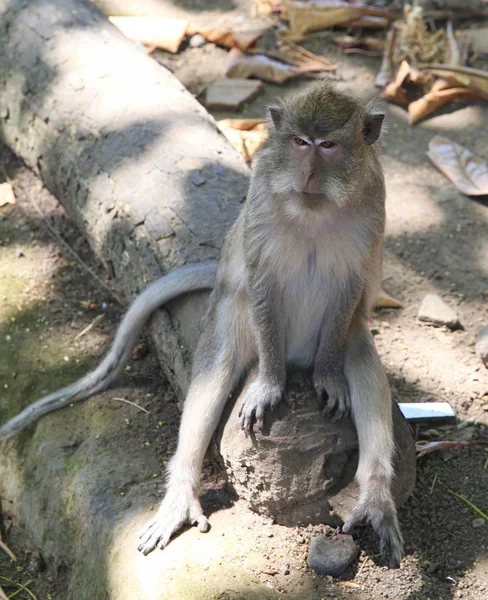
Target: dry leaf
<point>246,135</point>
<point>468,172</point>
<point>461,76</point>
<point>263,8</point>
<point>6,194</point>
<point>369,45</point>
<point>384,300</point>
<point>275,67</point>
<point>385,74</point>
<point>407,86</point>
<point>163,33</point>
<point>242,39</point>
<point>311,16</point>
<point>439,96</point>
<point>240,124</point>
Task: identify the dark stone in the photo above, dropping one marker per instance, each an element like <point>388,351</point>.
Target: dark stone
<point>332,557</point>
<point>302,469</point>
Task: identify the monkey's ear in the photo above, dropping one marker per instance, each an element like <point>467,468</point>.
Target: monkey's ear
<point>276,114</point>
<point>372,127</point>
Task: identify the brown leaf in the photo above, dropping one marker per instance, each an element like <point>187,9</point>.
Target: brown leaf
<point>271,69</point>
<point>246,135</point>
<point>461,76</point>
<point>384,300</point>
<point>468,172</point>
<point>385,74</point>
<point>439,96</point>
<point>311,16</point>
<point>349,44</point>
<point>242,39</point>
<point>6,194</point>
<point>407,86</point>
<point>153,31</point>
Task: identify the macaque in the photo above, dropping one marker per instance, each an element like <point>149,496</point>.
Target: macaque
<point>294,287</point>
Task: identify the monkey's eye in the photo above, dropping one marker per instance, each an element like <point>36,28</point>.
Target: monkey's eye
<point>327,144</point>
<point>300,142</point>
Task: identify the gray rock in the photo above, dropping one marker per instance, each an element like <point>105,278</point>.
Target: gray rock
<point>332,557</point>
<point>301,470</point>
<point>480,522</point>
<point>197,40</point>
<point>435,311</point>
<point>482,345</point>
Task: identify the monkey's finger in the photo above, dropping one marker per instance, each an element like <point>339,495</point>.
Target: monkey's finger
<point>356,518</point>
<point>145,532</point>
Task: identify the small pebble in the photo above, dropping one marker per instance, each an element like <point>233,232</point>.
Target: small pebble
<point>332,557</point>
<point>478,522</point>
<point>197,41</point>
<point>435,311</point>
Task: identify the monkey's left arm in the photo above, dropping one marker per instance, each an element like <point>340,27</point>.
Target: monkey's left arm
<point>328,374</point>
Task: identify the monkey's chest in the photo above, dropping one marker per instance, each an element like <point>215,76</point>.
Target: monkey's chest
<point>307,298</point>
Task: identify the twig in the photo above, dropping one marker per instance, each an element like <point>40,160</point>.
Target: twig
<point>424,448</point>
<point>58,237</point>
<point>469,503</point>
<point>433,484</point>
<point>362,566</point>
<point>3,595</point>
<point>20,586</point>
<point>18,591</point>
<point>96,320</point>
<point>6,549</point>
<point>132,404</point>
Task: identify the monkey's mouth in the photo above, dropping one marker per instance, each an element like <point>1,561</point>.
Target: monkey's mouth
<point>311,199</point>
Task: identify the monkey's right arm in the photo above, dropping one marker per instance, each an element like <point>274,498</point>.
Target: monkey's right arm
<point>186,279</point>
<point>267,389</point>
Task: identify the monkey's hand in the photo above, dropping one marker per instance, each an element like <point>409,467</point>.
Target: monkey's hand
<point>179,507</point>
<point>259,396</point>
<point>332,383</point>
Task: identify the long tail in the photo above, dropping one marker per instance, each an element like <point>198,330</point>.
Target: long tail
<point>186,279</point>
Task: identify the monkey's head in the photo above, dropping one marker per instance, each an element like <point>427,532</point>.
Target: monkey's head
<point>320,141</point>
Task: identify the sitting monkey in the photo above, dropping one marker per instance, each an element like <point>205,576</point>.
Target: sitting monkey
<point>294,286</point>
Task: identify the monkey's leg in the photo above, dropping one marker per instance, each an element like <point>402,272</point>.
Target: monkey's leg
<point>218,367</point>
<point>372,412</point>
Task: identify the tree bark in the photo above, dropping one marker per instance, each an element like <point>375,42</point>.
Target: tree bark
<point>136,161</point>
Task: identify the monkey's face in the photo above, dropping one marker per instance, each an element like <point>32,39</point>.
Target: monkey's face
<point>320,143</point>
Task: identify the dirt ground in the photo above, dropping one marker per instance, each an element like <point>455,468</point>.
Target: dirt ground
<point>437,241</point>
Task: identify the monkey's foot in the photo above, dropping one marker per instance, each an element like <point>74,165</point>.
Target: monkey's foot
<point>385,523</point>
<point>259,396</point>
<point>336,388</point>
<point>176,510</point>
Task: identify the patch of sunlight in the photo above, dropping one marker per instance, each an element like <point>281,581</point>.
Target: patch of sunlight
<point>194,565</point>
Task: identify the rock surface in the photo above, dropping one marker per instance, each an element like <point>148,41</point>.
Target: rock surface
<point>301,470</point>
<point>332,556</point>
<point>435,311</point>
<point>482,345</point>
